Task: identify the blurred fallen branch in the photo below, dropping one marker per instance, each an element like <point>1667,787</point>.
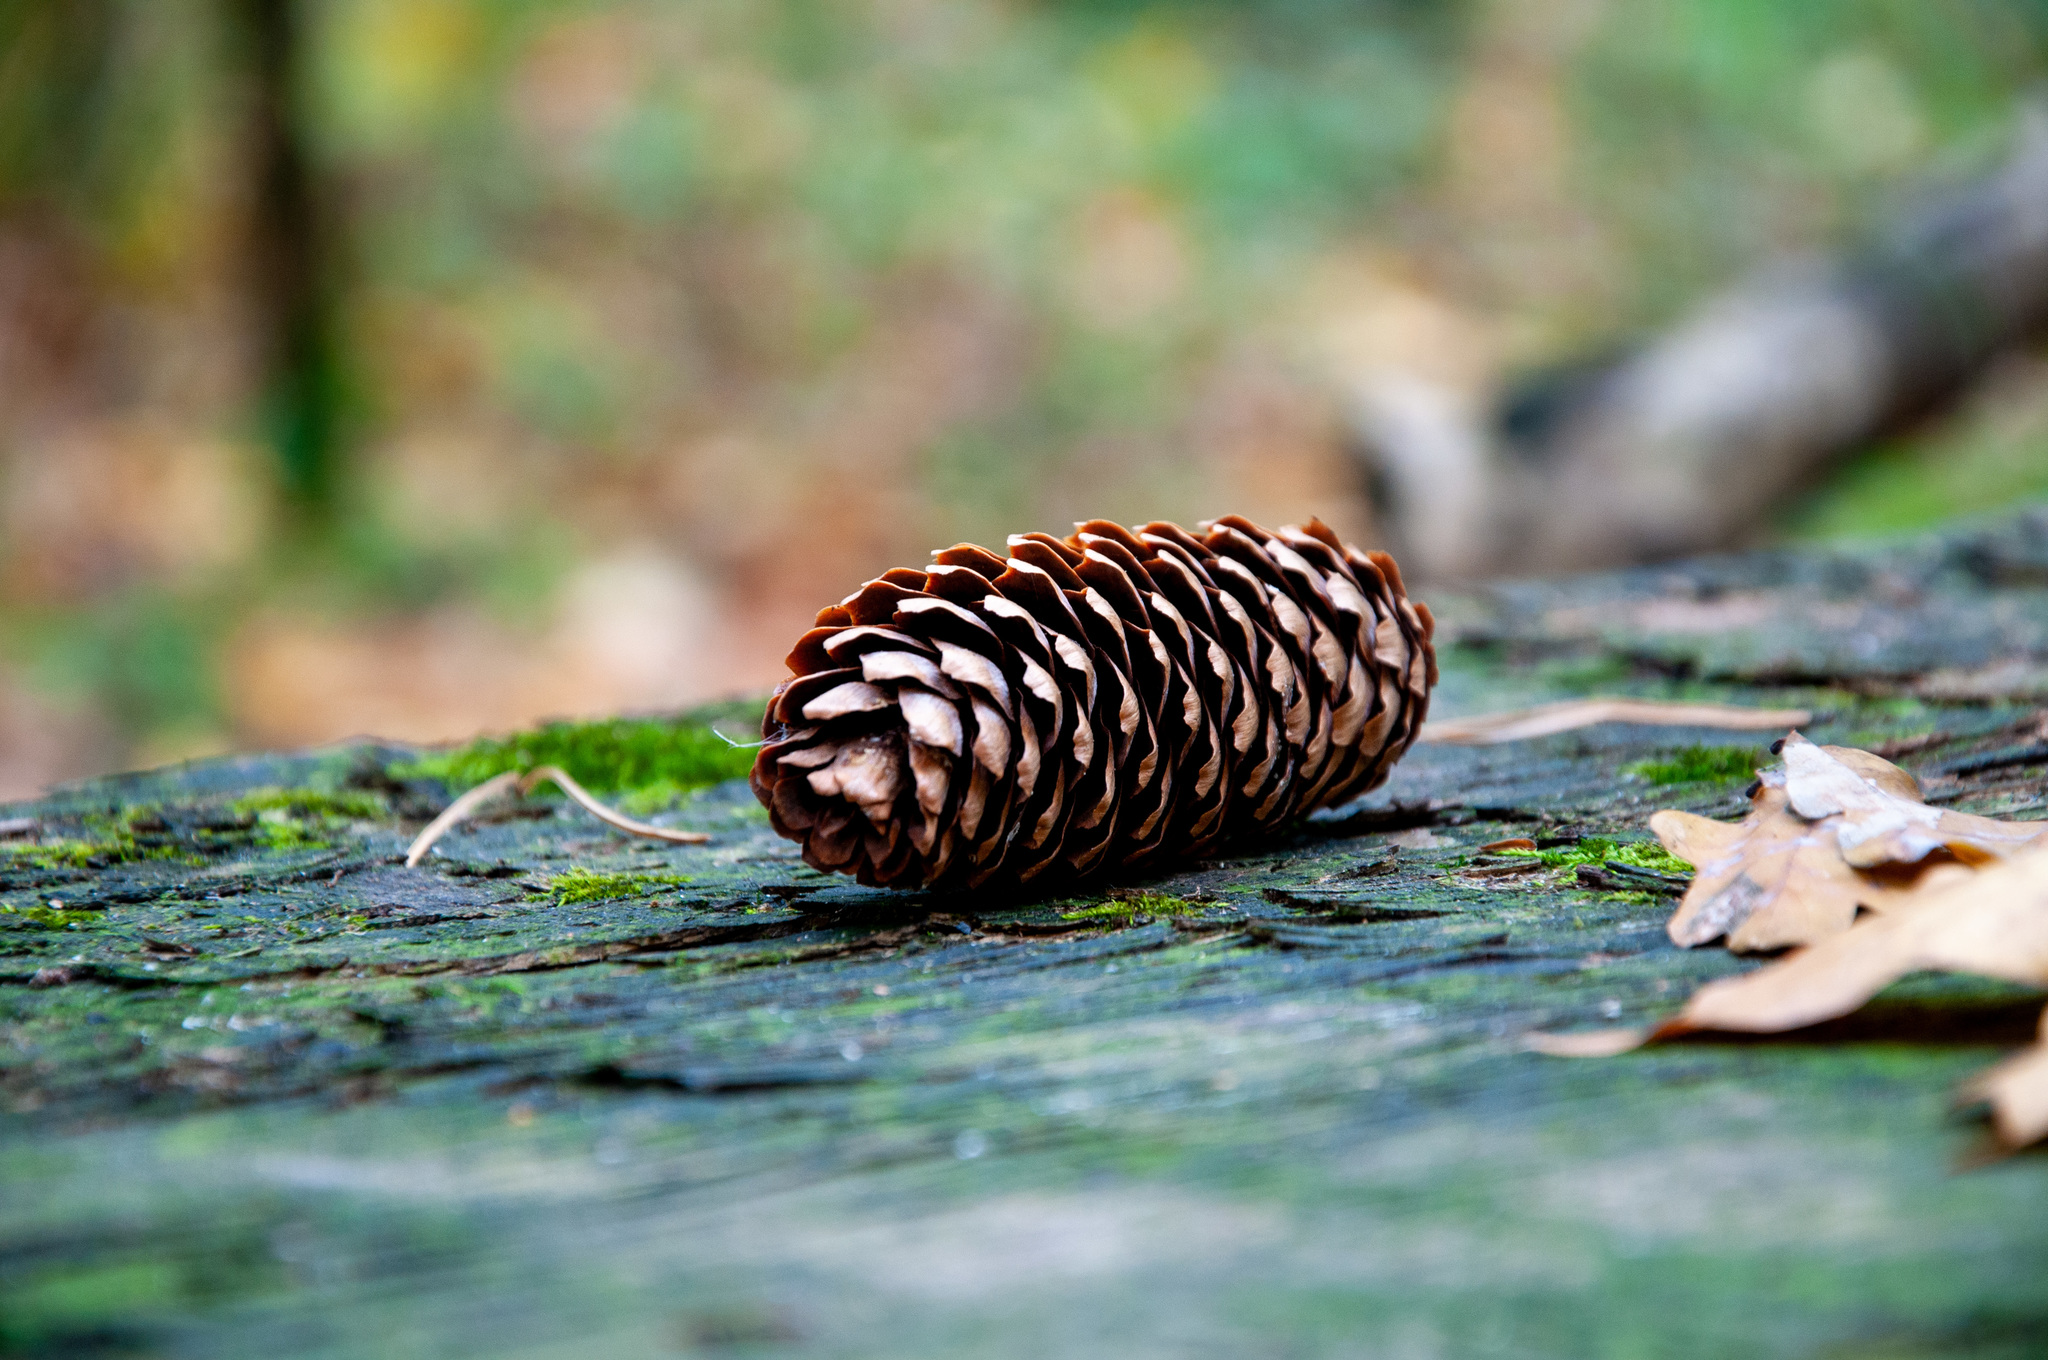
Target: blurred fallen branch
<point>1687,443</point>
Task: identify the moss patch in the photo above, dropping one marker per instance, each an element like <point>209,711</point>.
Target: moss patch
<point>298,819</point>
<point>109,840</point>
<point>1125,911</point>
<point>351,804</point>
<point>587,885</point>
<point>64,854</point>
<point>1698,764</point>
<point>1601,850</point>
<point>44,918</point>
<point>655,759</point>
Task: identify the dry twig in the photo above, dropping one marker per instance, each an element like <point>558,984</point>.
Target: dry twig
<point>1547,720</point>
<point>463,808</point>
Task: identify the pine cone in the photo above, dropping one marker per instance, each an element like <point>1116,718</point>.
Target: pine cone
<point>1117,698</point>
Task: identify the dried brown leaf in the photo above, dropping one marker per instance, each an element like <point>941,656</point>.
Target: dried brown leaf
<point>1835,831</point>
<point>1993,922</point>
<point>1878,813</point>
<point>1772,881</point>
<point>2017,1090</point>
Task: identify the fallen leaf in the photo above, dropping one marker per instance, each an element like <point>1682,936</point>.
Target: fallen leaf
<point>1547,720</point>
<point>1993,922</point>
<point>1771,881</point>
<point>1835,831</point>
<point>1878,815</point>
<point>2017,1090</point>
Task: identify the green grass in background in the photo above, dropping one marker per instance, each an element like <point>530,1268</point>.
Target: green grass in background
<point>1989,457</point>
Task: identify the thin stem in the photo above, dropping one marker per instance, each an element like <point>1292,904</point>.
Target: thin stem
<point>512,781</point>
<point>457,812</point>
<point>607,815</point>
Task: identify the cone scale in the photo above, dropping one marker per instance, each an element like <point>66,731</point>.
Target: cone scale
<point>1113,699</point>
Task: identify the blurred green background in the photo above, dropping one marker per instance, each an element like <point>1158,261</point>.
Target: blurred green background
<point>421,367</point>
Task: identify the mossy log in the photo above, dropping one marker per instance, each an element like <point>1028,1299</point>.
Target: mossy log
<point>557,1093</point>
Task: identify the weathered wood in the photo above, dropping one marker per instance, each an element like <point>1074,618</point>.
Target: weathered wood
<point>268,1092</point>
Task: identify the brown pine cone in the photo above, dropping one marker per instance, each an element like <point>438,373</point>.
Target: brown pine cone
<point>1108,700</point>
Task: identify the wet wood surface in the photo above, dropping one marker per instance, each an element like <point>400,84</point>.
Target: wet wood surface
<point>268,1092</point>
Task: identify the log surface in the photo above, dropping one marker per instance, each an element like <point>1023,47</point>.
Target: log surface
<point>556,1093</point>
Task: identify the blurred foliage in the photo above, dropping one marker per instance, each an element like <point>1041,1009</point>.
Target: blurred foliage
<point>712,273</point>
<point>103,106</point>
<point>1718,131</point>
<point>145,654</point>
<point>821,157</point>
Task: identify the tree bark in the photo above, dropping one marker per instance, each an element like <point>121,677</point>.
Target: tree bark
<point>265,1091</point>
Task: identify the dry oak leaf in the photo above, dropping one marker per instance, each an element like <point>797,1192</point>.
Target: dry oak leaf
<point>1775,879</point>
<point>1990,920</point>
<point>1879,818</point>
<point>2017,1091</point>
<point>1993,922</point>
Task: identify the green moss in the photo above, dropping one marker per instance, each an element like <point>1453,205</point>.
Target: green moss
<point>1698,764</point>
<point>350,804</point>
<point>656,760</point>
<point>299,819</point>
<point>44,918</point>
<point>587,885</point>
<point>1124,911</point>
<point>64,854</point>
<point>117,846</point>
<point>278,830</point>
<point>60,1298</point>
<point>101,839</point>
<point>1601,850</point>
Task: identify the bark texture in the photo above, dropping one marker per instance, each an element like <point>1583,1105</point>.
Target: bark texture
<point>264,1091</point>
